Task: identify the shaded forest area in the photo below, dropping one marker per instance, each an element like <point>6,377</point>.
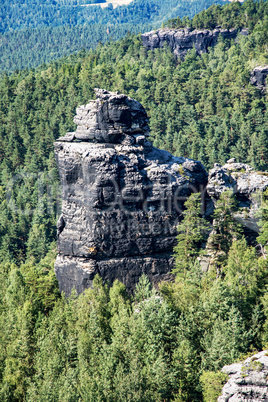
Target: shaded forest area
<point>32,33</point>
<point>33,14</point>
<point>27,48</point>
<point>106,345</point>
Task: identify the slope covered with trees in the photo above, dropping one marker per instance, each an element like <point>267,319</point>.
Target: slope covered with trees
<point>233,15</point>
<point>29,48</point>
<point>34,32</point>
<point>204,108</point>
<point>104,345</point>
<point>153,346</point>
<point>35,14</point>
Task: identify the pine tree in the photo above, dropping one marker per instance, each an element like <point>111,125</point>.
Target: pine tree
<point>192,232</point>
<point>225,229</point>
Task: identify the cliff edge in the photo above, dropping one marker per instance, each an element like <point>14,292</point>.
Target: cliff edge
<point>181,41</point>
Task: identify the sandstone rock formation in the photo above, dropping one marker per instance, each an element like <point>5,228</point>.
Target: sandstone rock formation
<point>121,197</point>
<point>258,77</point>
<point>182,40</point>
<point>247,380</point>
<point>246,184</point>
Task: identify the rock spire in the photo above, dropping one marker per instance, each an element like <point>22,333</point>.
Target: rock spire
<point>121,198</point>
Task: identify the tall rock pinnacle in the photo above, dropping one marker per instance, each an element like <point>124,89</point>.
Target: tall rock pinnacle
<point>121,198</point>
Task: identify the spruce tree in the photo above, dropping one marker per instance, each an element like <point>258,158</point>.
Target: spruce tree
<point>225,229</point>
<point>192,232</point>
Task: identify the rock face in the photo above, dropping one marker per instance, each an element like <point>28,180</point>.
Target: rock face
<point>182,40</point>
<point>246,184</point>
<point>247,380</point>
<point>258,77</point>
<point>121,197</point>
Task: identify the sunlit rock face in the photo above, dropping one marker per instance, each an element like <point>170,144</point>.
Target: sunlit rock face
<point>247,380</point>
<point>122,198</point>
<point>181,41</point>
<point>247,185</point>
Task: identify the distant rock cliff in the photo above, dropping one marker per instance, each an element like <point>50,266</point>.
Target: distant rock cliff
<point>247,380</point>
<point>121,198</point>
<point>182,40</point>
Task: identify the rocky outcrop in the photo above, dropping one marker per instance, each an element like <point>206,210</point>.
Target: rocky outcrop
<point>258,77</point>
<point>182,40</point>
<point>247,380</point>
<point>246,184</point>
<point>121,197</point>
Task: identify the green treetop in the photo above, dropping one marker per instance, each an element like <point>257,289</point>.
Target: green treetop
<point>192,232</point>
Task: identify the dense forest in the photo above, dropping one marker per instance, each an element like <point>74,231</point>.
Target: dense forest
<point>35,14</point>
<point>234,15</point>
<point>105,345</point>
<point>28,48</point>
<point>34,32</point>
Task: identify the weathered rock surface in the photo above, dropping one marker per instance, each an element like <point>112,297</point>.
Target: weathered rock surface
<point>245,183</point>
<point>121,197</point>
<point>247,380</point>
<point>258,77</point>
<point>182,40</point>
<point>111,118</point>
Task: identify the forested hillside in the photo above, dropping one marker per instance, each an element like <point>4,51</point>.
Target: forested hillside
<point>105,345</point>
<point>28,47</point>
<point>233,15</point>
<point>36,32</point>
<point>204,108</point>
<point>35,14</point>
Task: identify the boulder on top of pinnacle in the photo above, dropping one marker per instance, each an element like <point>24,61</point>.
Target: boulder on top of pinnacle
<point>110,118</point>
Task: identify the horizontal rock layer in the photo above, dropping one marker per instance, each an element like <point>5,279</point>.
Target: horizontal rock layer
<point>247,380</point>
<point>182,40</point>
<point>78,273</point>
<point>121,200</point>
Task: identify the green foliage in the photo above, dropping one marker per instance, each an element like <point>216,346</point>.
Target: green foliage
<point>185,292</point>
<point>221,317</point>
<point>103,345</point>
<point>232,15</point>
<point>27,295</point>
<point>192,232</point>
<point>47,29</point>
<point>242,271</point>
<point>73,12</point>
<point>45,44</point>
<point>143,289</point>
<point>225,228</point>
<point>212,384</point>
<point>263,237</point>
